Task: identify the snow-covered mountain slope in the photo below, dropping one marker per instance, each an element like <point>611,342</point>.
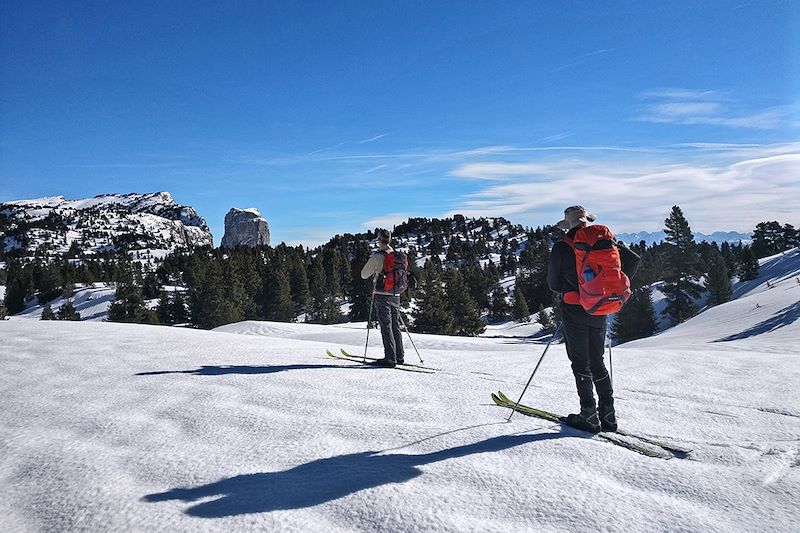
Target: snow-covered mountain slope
<point>147,225</point>
<point>143,428</point>
<point>766,308</point>
<point>91,301</point>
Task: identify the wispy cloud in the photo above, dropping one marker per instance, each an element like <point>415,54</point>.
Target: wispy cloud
<point>701,107</point>
<point>499,171</point>
<point>328,148</point>
<point>128,165</point>
<point>581,59</point>
<point>374,169</point>
<point>365,141</point>
<point>387,220</point>
<point>723,190</point>
<point>556,137</point>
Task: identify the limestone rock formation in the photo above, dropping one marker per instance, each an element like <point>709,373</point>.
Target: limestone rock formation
<point>245,227</point>
<point>148,225</point>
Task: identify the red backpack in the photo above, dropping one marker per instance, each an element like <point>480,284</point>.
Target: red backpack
<point>394,278</point>
<point>603,288</point>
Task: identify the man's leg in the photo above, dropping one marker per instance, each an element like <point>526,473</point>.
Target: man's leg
<point>576,337</point>
<point>597,348</point>
<point>384,310</point>
<point>399,352</point>
<point>602,379</point>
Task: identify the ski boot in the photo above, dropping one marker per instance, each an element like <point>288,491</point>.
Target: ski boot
<point>386,363</point>
<point>608,418</point>
<point>586,420</point>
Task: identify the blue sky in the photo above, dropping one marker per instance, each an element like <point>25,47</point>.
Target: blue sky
<point>334,117</point>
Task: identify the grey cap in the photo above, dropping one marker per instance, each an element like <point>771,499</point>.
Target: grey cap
<point>574,216</point>
<point>384,236</point>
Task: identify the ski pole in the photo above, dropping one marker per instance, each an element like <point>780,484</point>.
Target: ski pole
<point>555,334</point>
<point>369,315</point>
<point>409,336</point>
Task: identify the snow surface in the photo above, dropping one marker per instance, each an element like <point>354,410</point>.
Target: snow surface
<point>123,427</point>
<point>92,302</point>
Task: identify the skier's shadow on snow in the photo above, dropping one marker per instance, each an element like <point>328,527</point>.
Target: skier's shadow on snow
<point>786,316</point>
<point>323,480</point>
<point>234,369</point>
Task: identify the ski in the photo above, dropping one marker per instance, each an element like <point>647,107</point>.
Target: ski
<point>613,438</point>
<point>346,354</point>
<point>669,446</point>
<point>361,362</point>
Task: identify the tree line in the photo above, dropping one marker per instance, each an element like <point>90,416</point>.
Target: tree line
<point>464,269</point>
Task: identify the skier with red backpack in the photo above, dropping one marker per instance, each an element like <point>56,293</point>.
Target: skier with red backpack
<point>389,269</point>
<point>591,271</point>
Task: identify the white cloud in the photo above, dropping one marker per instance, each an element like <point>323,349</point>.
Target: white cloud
<point>682,94</point>
<point>728,190</point>
<point>381,136</point>
<point>374,169</point>
<point>499,171</point>
<point>712,108</point>
<point>387,220</point>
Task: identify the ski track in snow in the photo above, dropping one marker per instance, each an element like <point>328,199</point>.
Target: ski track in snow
<point>118,427</point>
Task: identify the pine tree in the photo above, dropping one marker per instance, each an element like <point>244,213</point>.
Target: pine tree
<point>164,310</point>
<point>210,303</point>
<point>324,308</point>
<point>466,319</point>
<point>298,281</point>
<point>500,307</point>
<point>768,239</point>
<point>282,308</point>
<point>544,319</point>
<point>128,306</point>
<point>361,293</point>
<point>637,319</point>
<point>718,282</point>
<point>683,268</point>
<point>3,311</point>
<point>729,257</point>
<point>47,313</point>
<point>520,312</point>
<point>432,314</point>
<point>150,286</point>
<point>50,283</point>
<point>748,264</point>
<point>67,311</point>
<point>179,315</point>
<point>19,286</point>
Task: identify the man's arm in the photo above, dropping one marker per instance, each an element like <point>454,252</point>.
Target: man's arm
<point>373,266</point>
<point>630,260</point>
<point>554,269</point>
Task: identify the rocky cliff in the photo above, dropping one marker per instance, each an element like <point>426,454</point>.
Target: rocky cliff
<point>245,227</point>
<point>152,224</point>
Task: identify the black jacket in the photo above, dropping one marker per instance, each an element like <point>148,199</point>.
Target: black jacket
<point>562,275</point>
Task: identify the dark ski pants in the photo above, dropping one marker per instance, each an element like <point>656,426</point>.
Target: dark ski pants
<point>388,309</point>
<point>585,340</point>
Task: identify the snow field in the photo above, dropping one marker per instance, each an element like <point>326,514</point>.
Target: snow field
<point>120,427</point>
<point>129,427</point>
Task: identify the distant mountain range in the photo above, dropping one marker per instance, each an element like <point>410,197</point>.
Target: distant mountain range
<point>658,236</point>
<point>144,225</point>
<point>150,226</point>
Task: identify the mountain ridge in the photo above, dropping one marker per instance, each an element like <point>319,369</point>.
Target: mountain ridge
<point>53,226</point>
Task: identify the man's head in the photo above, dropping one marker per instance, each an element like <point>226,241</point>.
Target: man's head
<point>384,238</point>
<point>575,216</point>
